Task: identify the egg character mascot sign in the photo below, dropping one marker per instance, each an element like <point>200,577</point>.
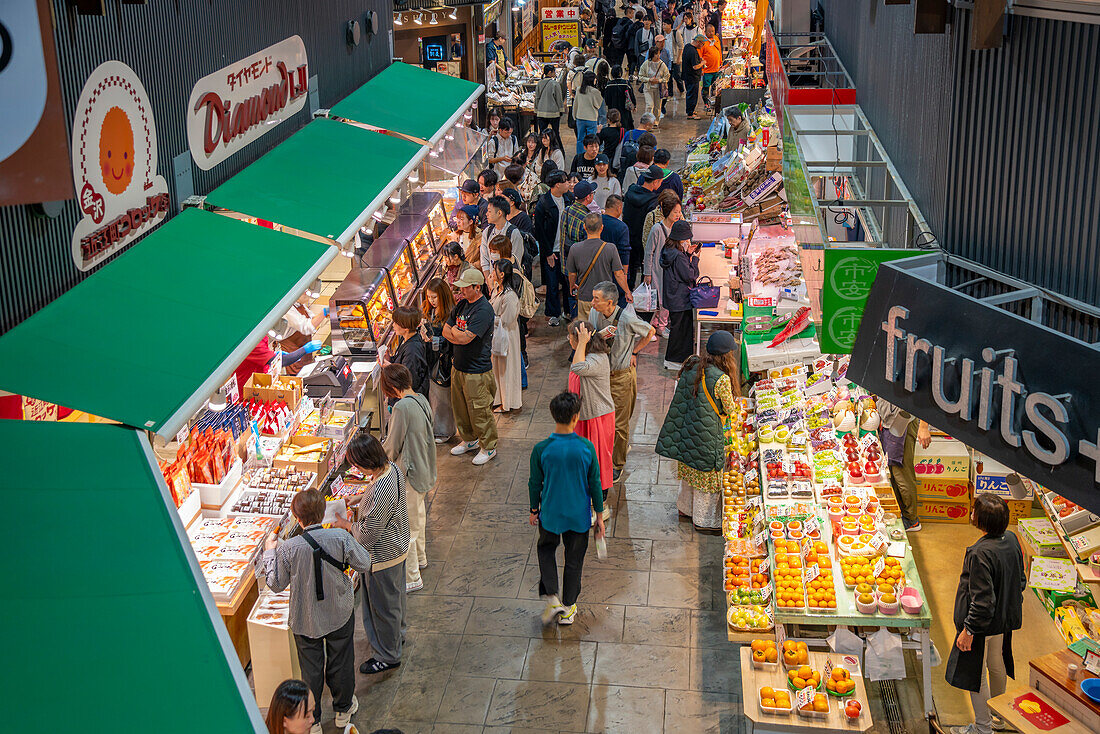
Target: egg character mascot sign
<point>114,165</point>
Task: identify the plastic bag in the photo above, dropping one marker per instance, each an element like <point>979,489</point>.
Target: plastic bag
<point>845,642</point>
<point>500,339</point>
<point>645,297</point>
<point>884,659</point>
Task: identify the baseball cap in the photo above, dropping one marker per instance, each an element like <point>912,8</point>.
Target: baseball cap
<point>471,186</point>
<point>653,173</point>
<point>602,158</point>
<point>514,197</point>
<point>583,189</point>
<point>470,276</point>
<point>469,210</point>
<point>721,342</point>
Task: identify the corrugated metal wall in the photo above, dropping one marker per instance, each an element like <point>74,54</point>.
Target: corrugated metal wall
<point>902,84</point>
<point>171,45</point>
<point>1000,148</point>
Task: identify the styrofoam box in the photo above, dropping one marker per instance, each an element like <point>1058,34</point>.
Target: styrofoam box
<point>214,496</point>
<point>191,508</point>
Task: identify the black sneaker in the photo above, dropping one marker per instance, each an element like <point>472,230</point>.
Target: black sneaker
<point>616,474</point>
<point>374,665</point>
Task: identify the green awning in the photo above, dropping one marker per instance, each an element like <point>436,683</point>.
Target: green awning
<point>104,604</point>
<point>148,338</point>
<point>411,100</point>
<point>326,179</point>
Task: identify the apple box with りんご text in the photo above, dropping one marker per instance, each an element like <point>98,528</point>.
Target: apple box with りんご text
<point>935,511</point>
<point>950,490</point>
<point>944,458</point>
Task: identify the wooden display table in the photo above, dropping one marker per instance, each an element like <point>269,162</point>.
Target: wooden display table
<point>1047,675</point>
<point>1014,709</point>
<point>763,723</point>
<point>235,615</point>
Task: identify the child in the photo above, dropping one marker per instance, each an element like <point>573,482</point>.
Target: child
<point>564,488</point>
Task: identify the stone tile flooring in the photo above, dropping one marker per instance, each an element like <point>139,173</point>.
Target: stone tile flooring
<point>648,651</point>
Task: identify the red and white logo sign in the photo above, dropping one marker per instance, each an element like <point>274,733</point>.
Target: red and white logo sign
<point>238,104</point>
<point>563,13</point>
<point>114,164</point>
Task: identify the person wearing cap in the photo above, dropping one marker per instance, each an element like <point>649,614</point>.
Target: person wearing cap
<point>499,209</point>
<point>663,158</point>
<point>605,183</point>
<point>692,71</point>
<point>572,221</point>
<point>591,261</point>
<point>692,433</point>
<point>680,271</point>
<point>654,75</point>
<point>627,335</point>
<point>467,235</point>
<point>469,329</point>
<point>739,127</point>
<point>639,200</point>
<point>470,195</point>
<point>584,164</point>
<point>548,215</point>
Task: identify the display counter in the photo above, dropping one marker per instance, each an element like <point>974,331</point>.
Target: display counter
<point>1030,712</point>
<point>360,313</point>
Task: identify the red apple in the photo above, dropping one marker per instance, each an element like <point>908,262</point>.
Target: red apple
<point>872,451</point>
<point>852,709</point>
<point>870,468</point>
<point>853,466</point>
<point>852,455</point>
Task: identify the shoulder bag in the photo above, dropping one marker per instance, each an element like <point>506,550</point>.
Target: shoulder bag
<point>591,265</point>
<point>319,555</point>
<point>705,294</point>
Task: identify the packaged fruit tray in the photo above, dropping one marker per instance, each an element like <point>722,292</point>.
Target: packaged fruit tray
<point>803,676</point>
<point>775,701</point>
<point>765,655</point>
<point>749,619</point>
<point>817,709</point>
<point>840,683</point>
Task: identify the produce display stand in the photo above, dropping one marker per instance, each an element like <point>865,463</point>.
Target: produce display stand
<point>752,679</point>
<point>1088,574</point>
<point>713,264</point>
<point>1022,717</point>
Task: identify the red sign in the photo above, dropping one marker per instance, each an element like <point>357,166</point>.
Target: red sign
<point>562,13</point>
<point>1038,712</point>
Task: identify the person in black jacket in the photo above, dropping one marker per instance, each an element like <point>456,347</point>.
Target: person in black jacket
<point>619,95</point>
<point>988,607</point>
<point>638,201</point>
<point>548,212</point>
<point>412,352</point>
<point>680,263</point>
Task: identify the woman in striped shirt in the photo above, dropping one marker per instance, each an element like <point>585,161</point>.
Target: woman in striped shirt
<point>383,529</point>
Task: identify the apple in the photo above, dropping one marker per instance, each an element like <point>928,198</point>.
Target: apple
<point>852,455</point>
<point>872,451</point>
<point>870,468</point>
<point>852,709</point>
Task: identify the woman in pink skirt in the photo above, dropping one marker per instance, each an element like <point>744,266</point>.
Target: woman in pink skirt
<point>590,377</point>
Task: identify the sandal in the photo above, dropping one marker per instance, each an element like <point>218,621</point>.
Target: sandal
<point>374,665</point>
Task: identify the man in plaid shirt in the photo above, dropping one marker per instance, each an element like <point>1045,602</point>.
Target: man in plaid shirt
<point>572,228</point>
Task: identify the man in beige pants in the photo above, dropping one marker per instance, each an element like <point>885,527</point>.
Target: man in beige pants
<point>470,329</point>
<point>628,334</point>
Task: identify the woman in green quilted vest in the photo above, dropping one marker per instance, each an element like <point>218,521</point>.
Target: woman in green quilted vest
<point>693,432</point>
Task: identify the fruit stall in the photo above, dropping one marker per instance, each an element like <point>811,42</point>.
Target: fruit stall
<point>802,690</point>
<point>813,540</point>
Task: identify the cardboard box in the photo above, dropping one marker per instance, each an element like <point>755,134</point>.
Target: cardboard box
<point>937,511</point>
<point>945,458</point>
<point>260,387</point>
<point>1018,510</point>
<point>943,490</point>
<point>1041,536</point>
<point>1053,599</point>
<point>320,467</point>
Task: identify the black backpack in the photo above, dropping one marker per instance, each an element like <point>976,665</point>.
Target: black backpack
<point>620,34</point>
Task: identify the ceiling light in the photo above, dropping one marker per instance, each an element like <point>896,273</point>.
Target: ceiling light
<point>515,8</point>
<point>419,19</point>
<point>395,198</point>
<point>414,177</point>
<point>469,115</point>
<point>397,19</point>
<point>217,401</point>
<point>433,21</point>
<point>378,215</point>
<point>454,14</point>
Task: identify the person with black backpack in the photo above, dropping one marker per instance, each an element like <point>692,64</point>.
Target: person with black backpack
<point>322,601</point>
<point>641,39</point>
<point>617,40</point>
<point>618,95</point>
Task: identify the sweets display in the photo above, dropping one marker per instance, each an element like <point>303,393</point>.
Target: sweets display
<point>263,502</point>
<point>283,480</point>
<point>226,547</point>
<point>272,609</point>
<point>273,418</point>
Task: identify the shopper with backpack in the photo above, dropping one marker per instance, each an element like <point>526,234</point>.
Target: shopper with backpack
<point>617,42</point>
<point>497,214</point>
<point>619,96</point>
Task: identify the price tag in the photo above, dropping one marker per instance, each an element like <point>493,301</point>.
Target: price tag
<point>275,366</point>
<point>1092,662</point>
<point>755,501</point>
<point>326,408</point>
<point>811,572</point>
<point>805,546</point>
<point>804,697</point>
<point>337,487</point>
<point>760,539</point>
<point>879,541</point>
<point>812,524</point>
<point>867,441</point>
<point>766,594</point>
<point>232,390</point>
<point>827,671</point>
<point>181,437</point>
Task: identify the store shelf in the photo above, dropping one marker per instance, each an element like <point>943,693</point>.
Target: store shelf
<point>1086,573</point>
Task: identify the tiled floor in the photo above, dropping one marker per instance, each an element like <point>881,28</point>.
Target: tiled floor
<point>648,652</point>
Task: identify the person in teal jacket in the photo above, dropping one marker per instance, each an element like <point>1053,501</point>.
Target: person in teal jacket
<point>565,488</point>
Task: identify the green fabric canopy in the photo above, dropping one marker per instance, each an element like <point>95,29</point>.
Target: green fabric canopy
<point>326,179</point>
<point>148,338</point>
<point>107,615</point>
<point>429,103</point>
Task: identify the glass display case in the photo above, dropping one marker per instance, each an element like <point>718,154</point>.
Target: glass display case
<point>425,251</point>
<point>360,312</point>
<point>391,252</point>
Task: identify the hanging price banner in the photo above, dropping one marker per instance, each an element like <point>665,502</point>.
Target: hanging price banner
<point>827,671</point>
<point>811,572</point>
<point>804,697</point>
<point>232,390</point>
<point>766,594</point>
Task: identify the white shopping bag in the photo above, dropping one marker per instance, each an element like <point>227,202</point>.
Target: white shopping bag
<point>884,659</point>
<point>645,297</point>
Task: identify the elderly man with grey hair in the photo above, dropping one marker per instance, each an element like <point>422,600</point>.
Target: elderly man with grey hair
<point>628,335</point>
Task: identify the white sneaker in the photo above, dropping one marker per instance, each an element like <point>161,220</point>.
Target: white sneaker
<point>463,447</point>
<point>412,586</point>
<point>568,615</point>
<point>343,719</point>
<point>554,607</point>
<point>606,514</point>
<point>483,457</point>
<point>553,321</point>
<point>664,332</point>
<point>668,366</point>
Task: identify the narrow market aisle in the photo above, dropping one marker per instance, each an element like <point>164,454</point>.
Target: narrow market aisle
<point>939,550</point>
<point>648,651</point>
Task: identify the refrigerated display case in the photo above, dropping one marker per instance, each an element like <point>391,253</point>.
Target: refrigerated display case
<point>360,312</point>
<point>425,251</point>
<point>391,251</point>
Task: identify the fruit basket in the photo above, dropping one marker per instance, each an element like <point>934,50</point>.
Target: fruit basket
<point>749,619</point>
<point>840,683</point>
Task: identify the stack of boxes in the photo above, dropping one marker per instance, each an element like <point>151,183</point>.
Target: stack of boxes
<point>1039,540</point>
<point>943,481</point>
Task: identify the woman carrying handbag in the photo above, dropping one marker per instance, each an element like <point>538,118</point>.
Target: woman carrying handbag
<point>680,270</point>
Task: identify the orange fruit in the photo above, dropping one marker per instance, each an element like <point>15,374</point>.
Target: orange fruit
<point>767,692</point>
